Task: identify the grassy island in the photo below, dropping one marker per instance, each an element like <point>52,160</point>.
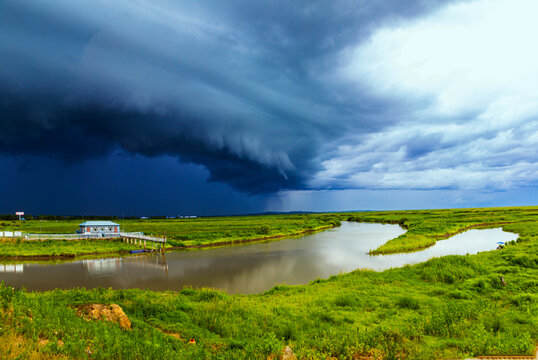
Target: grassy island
<point>425,227</point>
<point>449,307</point>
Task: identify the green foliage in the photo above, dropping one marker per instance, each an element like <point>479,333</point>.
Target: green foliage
<point>408,302</point>
<point>449,269</point>
<point>264,229</point>
<point>6,296</point>
<point>66,248</point>
<point>450,307</point>
<point>179,233</point>
<point>424,228</point>
<point>348,300</point>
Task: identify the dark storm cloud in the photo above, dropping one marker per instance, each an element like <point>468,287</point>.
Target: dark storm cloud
<point>239,87</point>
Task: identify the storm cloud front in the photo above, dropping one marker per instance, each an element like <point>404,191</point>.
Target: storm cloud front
<point>270,97</point>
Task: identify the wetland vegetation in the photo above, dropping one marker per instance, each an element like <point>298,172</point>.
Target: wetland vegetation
<point>180,233</point>
<point>449,307</point>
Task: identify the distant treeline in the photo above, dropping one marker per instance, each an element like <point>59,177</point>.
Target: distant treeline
<point>65,217</point>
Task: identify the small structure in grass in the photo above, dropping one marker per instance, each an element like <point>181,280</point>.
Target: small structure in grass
<point>99,227</point>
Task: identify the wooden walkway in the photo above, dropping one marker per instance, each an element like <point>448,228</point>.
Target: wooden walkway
<point>157,243</point>
<point>136,238</point>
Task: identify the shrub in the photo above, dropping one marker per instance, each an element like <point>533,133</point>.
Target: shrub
<point>524,299</point>
<point>448,269</point>
<point>6,295</point>
<point>345,300</point>
<point>408,303</point>
<point>264,229</point>
<point>209,294</point>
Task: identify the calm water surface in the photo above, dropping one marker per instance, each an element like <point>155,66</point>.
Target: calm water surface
<point>249,268</point>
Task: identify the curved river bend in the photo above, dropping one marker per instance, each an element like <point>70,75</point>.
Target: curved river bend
<point>248,268</point>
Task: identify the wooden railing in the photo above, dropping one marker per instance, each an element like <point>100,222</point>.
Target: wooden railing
<point>78,236</point>
<point>141,236</point>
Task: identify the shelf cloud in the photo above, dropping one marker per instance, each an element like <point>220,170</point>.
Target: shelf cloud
<point>273,95</point>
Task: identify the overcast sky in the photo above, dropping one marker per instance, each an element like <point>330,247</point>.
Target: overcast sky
<point>217,107</point>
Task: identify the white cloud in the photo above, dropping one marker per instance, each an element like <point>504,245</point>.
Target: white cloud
<point>468,79</point>
<point>465,57</point>
<point>386,160</point>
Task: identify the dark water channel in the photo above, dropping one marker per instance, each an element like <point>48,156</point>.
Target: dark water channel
<point>249,268</point>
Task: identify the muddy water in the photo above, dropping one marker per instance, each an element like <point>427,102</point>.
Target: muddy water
<point>248,268</point>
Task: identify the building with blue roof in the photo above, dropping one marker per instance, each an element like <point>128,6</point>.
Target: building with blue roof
<point>99,227</point>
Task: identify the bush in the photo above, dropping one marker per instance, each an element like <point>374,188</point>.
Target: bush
<point>524,299</point>
<point>526,260</point>
<point>209,295</point>
<point>408,303</point>
<point>264,229</point>
<point>345,300</point>
<point>6,295</point>
<point>448,269</point>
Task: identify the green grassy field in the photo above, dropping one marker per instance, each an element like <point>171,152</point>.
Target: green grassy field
<point>449,307</point>
<point>179,233</point>
<point>62,248</point>
<point>425,227</point>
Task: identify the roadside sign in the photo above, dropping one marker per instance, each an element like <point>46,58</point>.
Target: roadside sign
<point>19,213</point>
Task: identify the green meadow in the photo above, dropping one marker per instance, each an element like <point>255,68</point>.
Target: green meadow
<point>425,227</point>
<point>449,307</point>
<point>179,233</point>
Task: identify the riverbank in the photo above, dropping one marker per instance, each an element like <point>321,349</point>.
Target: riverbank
<point>247,241</point>
<point>404,245</point>
<point>113,247</point>
<point>450,307</point>
<point>426,227</point>
<point>61,249</point>
<point>181,234</point>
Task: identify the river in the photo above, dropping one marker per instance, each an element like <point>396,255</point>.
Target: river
<point>250,268</point>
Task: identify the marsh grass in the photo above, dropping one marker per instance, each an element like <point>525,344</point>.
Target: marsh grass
<point>426,227</point>
<point>179,233</point>
<point>449,307</point>
<point>54,248</point>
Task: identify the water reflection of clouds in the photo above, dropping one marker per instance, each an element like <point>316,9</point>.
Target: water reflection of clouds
<point>245,271</point>
<point>249,268</point>
<point>469,242</point>
<point>12,268</point>
<point>352,250</point>
<point>131,263</point>
<point>102,266</point>
<point>260,277</point>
